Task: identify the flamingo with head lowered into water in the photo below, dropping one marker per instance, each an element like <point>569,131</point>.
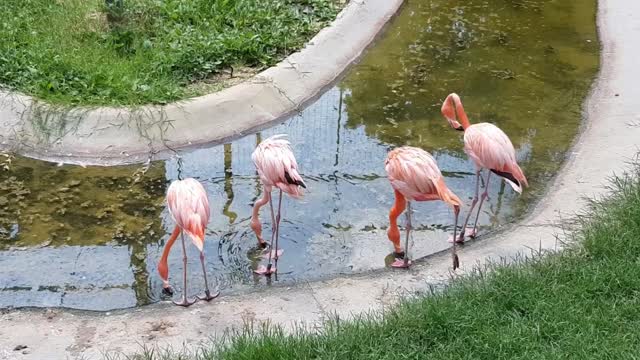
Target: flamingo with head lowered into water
<point>277,167</point>
<point>415,176</point>
<point>189,207</point>
<point>489,148</point>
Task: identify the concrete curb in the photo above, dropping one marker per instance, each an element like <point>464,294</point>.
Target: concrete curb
<point>110,136</point>
<point>609,139</point>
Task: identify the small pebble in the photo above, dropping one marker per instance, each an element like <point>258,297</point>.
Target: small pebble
<point>19,347</point>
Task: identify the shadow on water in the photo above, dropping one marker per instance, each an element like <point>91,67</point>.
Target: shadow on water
<point>90,237</point>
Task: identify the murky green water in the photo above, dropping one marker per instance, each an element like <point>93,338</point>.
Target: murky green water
<point>525,65</point>
<point>91,237</point>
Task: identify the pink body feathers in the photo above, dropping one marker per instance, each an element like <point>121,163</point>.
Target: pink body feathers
<point>189,206</point>
<point>490,148</point>
<point>277,166</point>
<point>415,174</point>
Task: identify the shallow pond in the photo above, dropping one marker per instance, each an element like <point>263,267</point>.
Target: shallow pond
<point>90,237</point>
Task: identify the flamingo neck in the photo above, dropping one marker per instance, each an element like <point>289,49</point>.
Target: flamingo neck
<point>461,114</point>
<point>397,209</point>
<point>163,267</point>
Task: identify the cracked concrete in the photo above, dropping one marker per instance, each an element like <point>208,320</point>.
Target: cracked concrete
<point>604,147</point>
<point>110,136</point>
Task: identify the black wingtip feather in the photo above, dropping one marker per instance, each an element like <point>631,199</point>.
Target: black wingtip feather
<point>507,176</point>
<point>293,182</point>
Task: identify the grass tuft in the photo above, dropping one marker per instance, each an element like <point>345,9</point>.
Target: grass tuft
<point>581,303</point>
<point>132,52</point>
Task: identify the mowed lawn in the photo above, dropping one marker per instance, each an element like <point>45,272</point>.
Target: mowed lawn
<point>582,303</point>
<point>132,52</point>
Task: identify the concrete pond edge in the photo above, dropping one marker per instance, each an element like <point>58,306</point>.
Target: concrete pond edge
<point>607,142</point>
<point>115,136</point>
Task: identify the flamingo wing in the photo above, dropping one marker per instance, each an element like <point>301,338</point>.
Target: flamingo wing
<point>189,207</point>
<point>489,147</point>
<point>277,166</point>
<point>415,174</point>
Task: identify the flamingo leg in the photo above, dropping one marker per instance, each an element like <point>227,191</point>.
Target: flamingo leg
<point>255,219</point>
<point>405,262</point>
<point>184,302</point>
<point>454,254</point>
<point>274,228</point>
<point>484,196</point>
<point>473,204</point>
<point>269,269</point>
<point>394,232</point>
<point>406,241</point>
<point>278,232</point>
<point>207,294</point>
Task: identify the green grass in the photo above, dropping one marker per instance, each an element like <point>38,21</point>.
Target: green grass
<point>145,51</point>
<point>582,303</point>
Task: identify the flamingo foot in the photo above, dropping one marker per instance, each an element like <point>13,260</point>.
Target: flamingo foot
<point>459,240</point>
<point>167,291</point>
<point>265,270</point>
<point>471,232</point>
<point>185,302</point>
<point>274,253</point>
<point>208,297</point>
<point>401,264</point>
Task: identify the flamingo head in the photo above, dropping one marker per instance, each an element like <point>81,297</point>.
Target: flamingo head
<point>449,112</point>
<point>456,125</point>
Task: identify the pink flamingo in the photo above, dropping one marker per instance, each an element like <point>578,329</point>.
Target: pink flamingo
<point>189,207</point>
<point>278,168</point>
<point>415,176</point>
<point>489,148</point>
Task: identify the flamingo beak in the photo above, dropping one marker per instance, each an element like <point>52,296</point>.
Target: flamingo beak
<point>455,125</point>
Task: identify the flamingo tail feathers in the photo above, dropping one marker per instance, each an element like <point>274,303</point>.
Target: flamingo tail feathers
<point>195,230</point>
<point>514,177</point>
<point>294,181</point>
<point>447,195</point>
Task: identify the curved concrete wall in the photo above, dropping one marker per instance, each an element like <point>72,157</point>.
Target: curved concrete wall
<point>107,136</point>
<point>610,139</point>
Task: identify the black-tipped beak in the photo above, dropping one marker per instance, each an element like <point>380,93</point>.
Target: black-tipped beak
<point>460,128</point>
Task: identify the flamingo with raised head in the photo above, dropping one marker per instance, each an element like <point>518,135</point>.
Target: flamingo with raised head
<point>277,167</point>
<point>189,207</point>
<point>489,148</point>
<point>415,176</point>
